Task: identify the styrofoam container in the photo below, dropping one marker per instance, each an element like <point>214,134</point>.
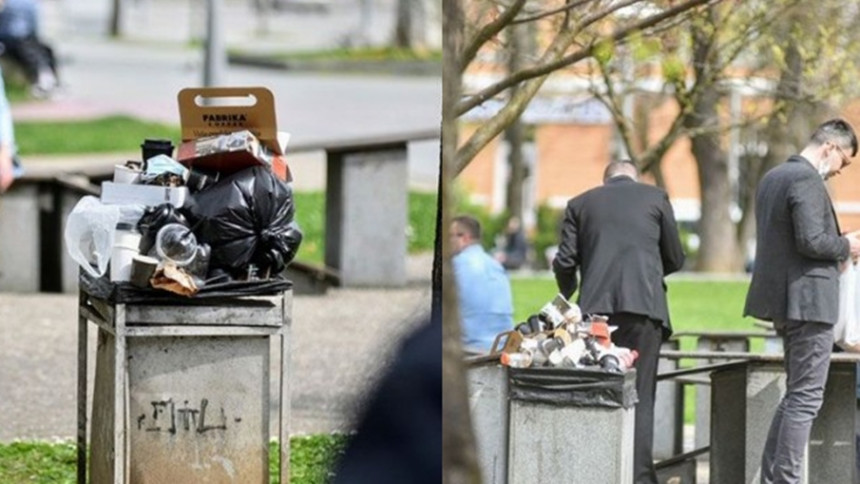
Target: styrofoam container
<point>124,174</point>
<point>130,194</point>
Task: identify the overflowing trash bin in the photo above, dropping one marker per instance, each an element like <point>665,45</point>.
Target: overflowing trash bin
<point>181,270</point>
<point>569,395</point>
<point>571,426</point>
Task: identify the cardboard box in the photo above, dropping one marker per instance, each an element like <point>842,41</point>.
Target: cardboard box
<point>225,153</point>
<point>207,114</point>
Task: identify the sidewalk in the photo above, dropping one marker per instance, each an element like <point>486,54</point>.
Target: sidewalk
<point>341,343</point>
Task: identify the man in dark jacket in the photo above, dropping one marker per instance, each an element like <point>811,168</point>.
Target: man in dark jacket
<point>795,284</point>
<point>623,239</point>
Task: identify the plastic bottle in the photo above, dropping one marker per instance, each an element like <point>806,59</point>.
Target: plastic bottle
<point>549,345</point>
<point>516,360</point>
<point>610,363</point>
<point>626,356</point>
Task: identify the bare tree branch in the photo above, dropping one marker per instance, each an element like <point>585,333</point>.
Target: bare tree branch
<point>610,100</point>
<point>567,7</point>
<point>541,70</point>
<point>473,45</point>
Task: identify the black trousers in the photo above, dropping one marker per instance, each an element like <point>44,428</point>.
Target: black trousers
<point>645,336</point>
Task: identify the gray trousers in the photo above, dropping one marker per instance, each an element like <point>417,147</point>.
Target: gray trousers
<point>807,347</point>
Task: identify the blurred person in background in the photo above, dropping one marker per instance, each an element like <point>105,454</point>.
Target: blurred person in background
<point>514,247</point>
<point>483,288</point>
<point>399,437</point>
<point>19,36</point>
<point>7,141</point>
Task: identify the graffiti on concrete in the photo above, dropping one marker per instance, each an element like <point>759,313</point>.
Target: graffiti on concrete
<point>169,417</point>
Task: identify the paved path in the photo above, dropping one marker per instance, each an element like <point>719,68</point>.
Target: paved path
<point>341,343</point>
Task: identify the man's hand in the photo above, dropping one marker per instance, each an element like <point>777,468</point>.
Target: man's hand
<point>6,169</point>
<point>854,244</point>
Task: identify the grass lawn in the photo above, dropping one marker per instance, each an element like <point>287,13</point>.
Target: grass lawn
<point>694,305</point>
<point>310,214</point>
<point>102,135</point>
<point>311,461</point>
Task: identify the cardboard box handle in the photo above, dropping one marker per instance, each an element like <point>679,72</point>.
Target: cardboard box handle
<point>201,120</point>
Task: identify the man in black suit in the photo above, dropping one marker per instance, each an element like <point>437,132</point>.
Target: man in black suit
<point>623,239</point>
<point>795,284</point>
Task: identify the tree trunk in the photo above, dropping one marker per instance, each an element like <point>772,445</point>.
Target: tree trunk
<point>409,30</point>
<point>785,134</point>
<point>115,27</point>
<point>515,134</point>
<point>718,249</point>
<point>459,459</point>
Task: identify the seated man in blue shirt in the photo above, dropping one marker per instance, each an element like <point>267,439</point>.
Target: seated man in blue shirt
<point>483,288</point>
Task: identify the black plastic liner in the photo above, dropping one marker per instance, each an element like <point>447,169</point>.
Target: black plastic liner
<point>247,218</point>
<point>566,387</point>
<point>125,293</point>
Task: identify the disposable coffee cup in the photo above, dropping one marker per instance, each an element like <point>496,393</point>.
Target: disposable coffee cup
<point>142,268</point>
<point>125,247</point>
<point>155,147</point>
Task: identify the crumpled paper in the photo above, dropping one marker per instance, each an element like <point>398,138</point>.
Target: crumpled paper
<point>168,277</point>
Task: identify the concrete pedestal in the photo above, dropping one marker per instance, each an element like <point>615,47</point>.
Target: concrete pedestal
<point>744,398</point>
<point>366,212</point>
<point>488,403</point>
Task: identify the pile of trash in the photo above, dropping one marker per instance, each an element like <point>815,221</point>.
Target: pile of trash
<point>220,213</point>
<point>559,336</point>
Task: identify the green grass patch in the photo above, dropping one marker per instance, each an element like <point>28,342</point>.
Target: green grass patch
<point>693,306</point>
<point>421,231</point>
<point>312,460</point>
<point>17,91</point>
<point>310,215</point>
<point>38,463</point>
<point>103,135</point>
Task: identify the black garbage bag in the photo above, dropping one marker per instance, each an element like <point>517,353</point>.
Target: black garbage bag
<point>247,219</point>
<point>568,387</point>
<point>153,219</point>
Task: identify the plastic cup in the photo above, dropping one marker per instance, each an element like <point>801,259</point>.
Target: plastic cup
<point>154,147</point>
<point>177,243</point>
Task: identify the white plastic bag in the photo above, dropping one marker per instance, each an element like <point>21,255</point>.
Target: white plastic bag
<point>846,333</point>
<point>89,234</point>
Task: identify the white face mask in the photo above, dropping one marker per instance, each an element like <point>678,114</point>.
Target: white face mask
<point>824,169</point>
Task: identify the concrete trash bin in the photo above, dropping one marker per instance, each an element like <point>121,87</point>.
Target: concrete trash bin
<point>570,426</point>
<point>488,404</point>
<point>183,393</point>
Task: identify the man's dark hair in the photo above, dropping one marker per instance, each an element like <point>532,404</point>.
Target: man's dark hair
<point>620,167</point>
<point>470,224</point>
<point>836,131</point>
